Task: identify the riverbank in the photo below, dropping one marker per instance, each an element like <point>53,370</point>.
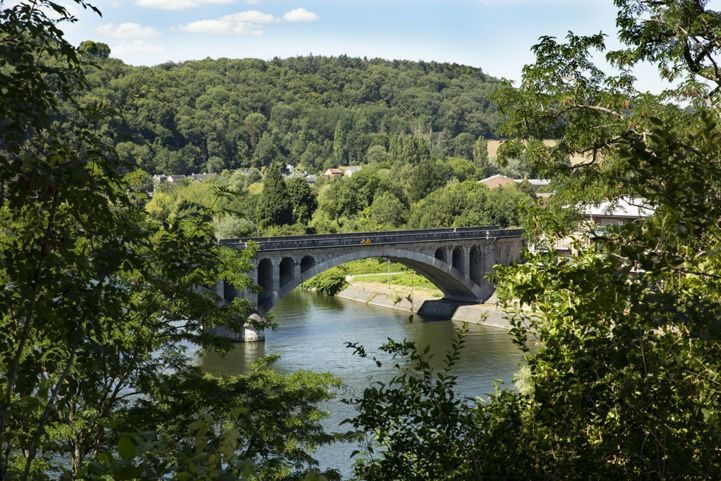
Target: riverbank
<point>426,303</point>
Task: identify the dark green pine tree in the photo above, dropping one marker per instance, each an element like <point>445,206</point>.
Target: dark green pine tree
<point>274,206</point>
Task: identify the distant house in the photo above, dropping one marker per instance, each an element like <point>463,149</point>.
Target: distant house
<point>600,216</point>
<point>623,211</point>
<point>201,177</point>
<point>497,181</point>
<point>535,183</point>
<point>333,172</point>
<point>311,178</point>
<point>352,169</point>
<point>502,181</point>
<point>172,179</point>
<point>289,168</point>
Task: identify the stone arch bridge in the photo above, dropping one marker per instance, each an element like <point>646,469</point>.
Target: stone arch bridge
<point>456,260</point>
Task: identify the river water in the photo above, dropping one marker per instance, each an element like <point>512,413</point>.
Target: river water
<point>312,332</point>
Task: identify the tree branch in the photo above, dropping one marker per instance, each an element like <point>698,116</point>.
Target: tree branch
<point>43,419</point>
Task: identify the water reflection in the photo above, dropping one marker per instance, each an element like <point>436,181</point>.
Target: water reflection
<point>235,362</point>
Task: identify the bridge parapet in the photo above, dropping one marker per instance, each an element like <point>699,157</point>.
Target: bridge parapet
<point>318,241</point>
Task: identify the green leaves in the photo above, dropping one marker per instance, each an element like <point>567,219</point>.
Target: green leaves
<point>626,324</point>
<point>101,304</point>
<point>126,448</point>
<point>416,427</point>
<point>329,282</point>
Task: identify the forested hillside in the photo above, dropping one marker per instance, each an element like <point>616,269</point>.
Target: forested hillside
<point>314,112</point>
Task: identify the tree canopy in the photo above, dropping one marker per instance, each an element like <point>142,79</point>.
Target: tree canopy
<point>100,302</point>
<point>622,339</point>
<point>316,112</point>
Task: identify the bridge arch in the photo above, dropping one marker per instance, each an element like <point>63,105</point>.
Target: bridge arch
<point>265,280</point>
<point>457,258</point>
<point>285,270</point>
<point>453,282</point>
<point>476,264</point>
<point>306,263</point>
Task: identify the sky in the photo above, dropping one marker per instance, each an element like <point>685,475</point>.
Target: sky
<point>493,35</point>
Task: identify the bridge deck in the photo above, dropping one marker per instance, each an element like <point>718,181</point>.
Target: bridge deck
<point>383,238</point>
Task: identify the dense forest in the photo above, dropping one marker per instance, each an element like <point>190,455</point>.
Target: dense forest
<point>418,129</point>
<point>313,112</point>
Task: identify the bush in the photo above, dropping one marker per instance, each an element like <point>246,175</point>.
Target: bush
<point>330,282</point>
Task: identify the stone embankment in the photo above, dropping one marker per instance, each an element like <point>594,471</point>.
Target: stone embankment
<point>423,303</point>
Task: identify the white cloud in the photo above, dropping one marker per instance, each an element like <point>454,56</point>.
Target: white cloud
<point>179,4</point>
<point>253,16</point>
<point>300,15</point>
<point>127,30</point>
<point>135,47</point>
<point>249,22</point>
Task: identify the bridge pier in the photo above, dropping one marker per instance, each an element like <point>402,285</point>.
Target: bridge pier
<point>249,333</point>
<point>253,334</point>
<point>456,260</point>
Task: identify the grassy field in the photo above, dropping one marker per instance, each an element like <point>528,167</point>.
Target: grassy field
<point>375,271</point>
<point>373,265</point>
<point>408,279</point>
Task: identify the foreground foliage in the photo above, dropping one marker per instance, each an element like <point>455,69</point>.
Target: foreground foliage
<point>625,383</point>
<point>417,428</point>
<point>99,304</point>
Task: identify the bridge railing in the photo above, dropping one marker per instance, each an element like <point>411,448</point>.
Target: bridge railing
<point>373,238</point>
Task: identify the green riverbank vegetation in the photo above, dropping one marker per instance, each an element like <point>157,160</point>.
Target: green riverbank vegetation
<point>372,270</point>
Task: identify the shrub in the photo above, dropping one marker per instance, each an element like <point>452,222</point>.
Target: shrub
<point>329,282</point>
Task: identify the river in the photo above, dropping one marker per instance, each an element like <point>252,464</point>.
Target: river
<point>312,332</point>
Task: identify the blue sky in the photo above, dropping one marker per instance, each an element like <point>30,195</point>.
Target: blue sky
<point>494,35</point>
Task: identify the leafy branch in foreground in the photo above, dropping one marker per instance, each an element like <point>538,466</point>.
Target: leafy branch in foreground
<point>625,383</point>
<point>101,306</point>
<point>417,428</point>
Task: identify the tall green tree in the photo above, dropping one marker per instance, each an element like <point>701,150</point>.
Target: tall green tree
<point>302,199</point>
<point>395,149</point>
<point>426,177</point>
<point>339,143</point>
<point>274,206</point>
<point>463,145</point>
<point>480,155</point>
<point>415,150</point>
<point>388,211</point>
